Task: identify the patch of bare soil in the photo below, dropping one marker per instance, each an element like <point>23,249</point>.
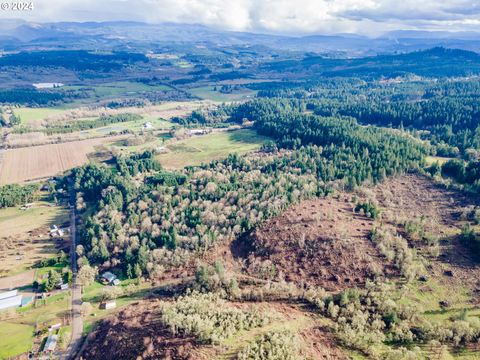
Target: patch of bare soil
<point>320,242</point>
<point>321,344</point>
<point>138,333</point>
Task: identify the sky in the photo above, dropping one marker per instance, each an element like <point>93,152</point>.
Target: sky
<point>295,17</point>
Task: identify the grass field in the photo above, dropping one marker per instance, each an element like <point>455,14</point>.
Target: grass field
<point>199,149</point>
<point>28,115</point>
<point>207,92</point>
<point>441,160</point>
<point>15,339</point>
<point>37,162</point>
<point>126,88</point>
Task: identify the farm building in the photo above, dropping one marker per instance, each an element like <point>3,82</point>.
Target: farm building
<point>51,344</point>
<point>108,305</point>
<point>10,299</point>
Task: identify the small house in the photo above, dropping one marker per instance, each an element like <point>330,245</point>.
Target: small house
<point>108,278</point>
<point>107,305</point>
<point>51,344</point>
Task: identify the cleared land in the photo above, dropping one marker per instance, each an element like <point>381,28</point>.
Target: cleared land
<point>198,149</point>
<point>25,240</point>
<point>320,242</point>
<point>43,161</point>
<point>138,331</point>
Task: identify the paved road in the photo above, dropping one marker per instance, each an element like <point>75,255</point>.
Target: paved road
<point>77,321</point>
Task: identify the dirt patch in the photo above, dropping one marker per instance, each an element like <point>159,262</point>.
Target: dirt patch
<point>138,333</point>
<point>15,281</point>
<point>320,242</point>
<point>321,344</point>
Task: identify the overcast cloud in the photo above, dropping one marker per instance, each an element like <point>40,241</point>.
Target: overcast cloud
<point>371,17</point>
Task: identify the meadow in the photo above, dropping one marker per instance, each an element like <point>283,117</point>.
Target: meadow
<point>199,149</point>
<point>208,93</point>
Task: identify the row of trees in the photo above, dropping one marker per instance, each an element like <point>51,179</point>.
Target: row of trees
<point>14,194</point>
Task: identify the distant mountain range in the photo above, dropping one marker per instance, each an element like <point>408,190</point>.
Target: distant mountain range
<point>18,34</point>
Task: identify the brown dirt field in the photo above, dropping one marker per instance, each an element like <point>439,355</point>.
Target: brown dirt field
<point>37,162</point>
<point>320,242</point>
<point>137,333</point>
<point>321,344</point>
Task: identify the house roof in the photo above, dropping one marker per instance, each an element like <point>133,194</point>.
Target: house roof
<point>108,276</point>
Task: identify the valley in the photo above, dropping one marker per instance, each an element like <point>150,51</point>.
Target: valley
<point>237,196</point>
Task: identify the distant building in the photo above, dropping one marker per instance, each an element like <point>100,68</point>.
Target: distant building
<point>10,299</point>
<point>147,126</point>
<point>51,344</point>
<point>191,132</point>
<point>108,305</point>
<point>47,85</point>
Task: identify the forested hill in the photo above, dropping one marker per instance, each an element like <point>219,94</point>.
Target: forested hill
<point>435,62</point>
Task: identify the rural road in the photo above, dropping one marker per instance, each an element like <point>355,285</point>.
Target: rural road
<point>77,321</point>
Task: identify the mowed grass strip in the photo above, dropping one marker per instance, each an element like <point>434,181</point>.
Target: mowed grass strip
<point>15,339</point>
<point>201,149</point>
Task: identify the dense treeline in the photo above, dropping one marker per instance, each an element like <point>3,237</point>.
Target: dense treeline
<point>436,62</point>
<point>447,112</point>
<point>80,125</point>
<point>80,60</point>
<point>30,97</point>
<point>205,116</point>
<point>13,195</point>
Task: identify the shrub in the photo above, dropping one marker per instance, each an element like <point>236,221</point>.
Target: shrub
<point>209,317</point>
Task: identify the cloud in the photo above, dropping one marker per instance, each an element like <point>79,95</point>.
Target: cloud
<point>273,16</point>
